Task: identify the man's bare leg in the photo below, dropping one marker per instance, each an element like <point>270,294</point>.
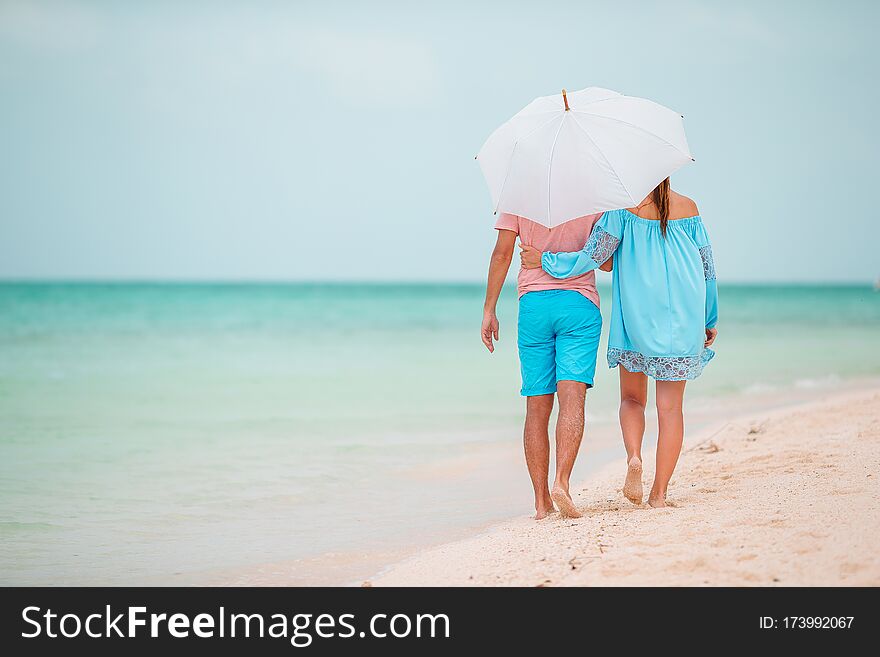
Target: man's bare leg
<point>569,432</point>
<point>536,442</point>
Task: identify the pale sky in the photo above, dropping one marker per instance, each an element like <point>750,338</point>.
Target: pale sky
<point>335,140</point>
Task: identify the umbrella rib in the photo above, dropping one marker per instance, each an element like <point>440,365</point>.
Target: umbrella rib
<point>510,161</point>
<point>550,169</point>
<point>605,157</point>
<point>637,127</point>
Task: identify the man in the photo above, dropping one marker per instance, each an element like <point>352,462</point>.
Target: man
<point>559,326</point>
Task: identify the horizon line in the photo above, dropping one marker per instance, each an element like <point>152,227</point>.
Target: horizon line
<point>374,282</point>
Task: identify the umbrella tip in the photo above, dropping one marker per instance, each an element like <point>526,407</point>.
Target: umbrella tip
<point>565,100</point>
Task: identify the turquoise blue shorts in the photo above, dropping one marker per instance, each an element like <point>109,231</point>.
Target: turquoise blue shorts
<point>558,340</point>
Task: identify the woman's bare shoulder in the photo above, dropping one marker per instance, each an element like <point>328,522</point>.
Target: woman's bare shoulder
<point>681,206</point>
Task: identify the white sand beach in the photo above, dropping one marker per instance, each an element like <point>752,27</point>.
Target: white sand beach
<point>783,498</point>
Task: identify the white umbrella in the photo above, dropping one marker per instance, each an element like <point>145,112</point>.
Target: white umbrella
<point>569,155</point>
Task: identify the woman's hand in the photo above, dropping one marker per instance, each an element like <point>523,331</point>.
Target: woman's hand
<point>530,256</point>
<point>711,334</point>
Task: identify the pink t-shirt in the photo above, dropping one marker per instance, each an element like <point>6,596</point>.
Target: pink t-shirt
<point>570,236</point>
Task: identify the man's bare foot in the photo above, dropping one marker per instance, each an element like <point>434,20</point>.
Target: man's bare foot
<point>544,508</point>
<point>564,503</point>
<point>632,487</point>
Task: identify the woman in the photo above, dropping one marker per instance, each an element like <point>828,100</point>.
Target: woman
<point>663,317</point>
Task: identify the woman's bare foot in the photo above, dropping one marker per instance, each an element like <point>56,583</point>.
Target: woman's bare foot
<point>632,487</point>
<point>657,500</point>
<point>564,503</point>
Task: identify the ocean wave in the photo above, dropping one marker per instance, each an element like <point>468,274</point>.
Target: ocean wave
<point>760,388</point>
<point>809,384</point>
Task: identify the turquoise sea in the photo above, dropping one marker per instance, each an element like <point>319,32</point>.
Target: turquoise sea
<point>150,433</point>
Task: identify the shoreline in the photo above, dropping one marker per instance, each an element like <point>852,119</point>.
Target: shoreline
<point>601,459</point>
<point>729,475</point>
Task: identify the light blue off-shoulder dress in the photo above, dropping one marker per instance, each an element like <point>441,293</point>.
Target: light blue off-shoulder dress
<point>664,291</point>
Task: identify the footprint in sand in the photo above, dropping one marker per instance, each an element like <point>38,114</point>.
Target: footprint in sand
<point>847,568</point>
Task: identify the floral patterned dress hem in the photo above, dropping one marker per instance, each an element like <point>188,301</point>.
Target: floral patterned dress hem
<point>661,368</point>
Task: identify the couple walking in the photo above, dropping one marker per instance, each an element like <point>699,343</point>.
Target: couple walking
<point>664,310</point>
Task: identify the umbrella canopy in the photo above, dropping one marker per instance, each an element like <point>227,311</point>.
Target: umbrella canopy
<point>570,155</point>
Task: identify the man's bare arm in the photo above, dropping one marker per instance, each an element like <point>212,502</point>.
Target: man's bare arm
<point>499,264</point>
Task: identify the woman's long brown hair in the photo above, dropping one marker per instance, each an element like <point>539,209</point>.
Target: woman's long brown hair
<point>660,197</point>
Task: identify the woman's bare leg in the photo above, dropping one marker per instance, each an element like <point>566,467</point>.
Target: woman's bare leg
<point>633,398</point>
<point>670,395</point>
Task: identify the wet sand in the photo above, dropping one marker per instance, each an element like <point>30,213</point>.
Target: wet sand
<point>785,497</point>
